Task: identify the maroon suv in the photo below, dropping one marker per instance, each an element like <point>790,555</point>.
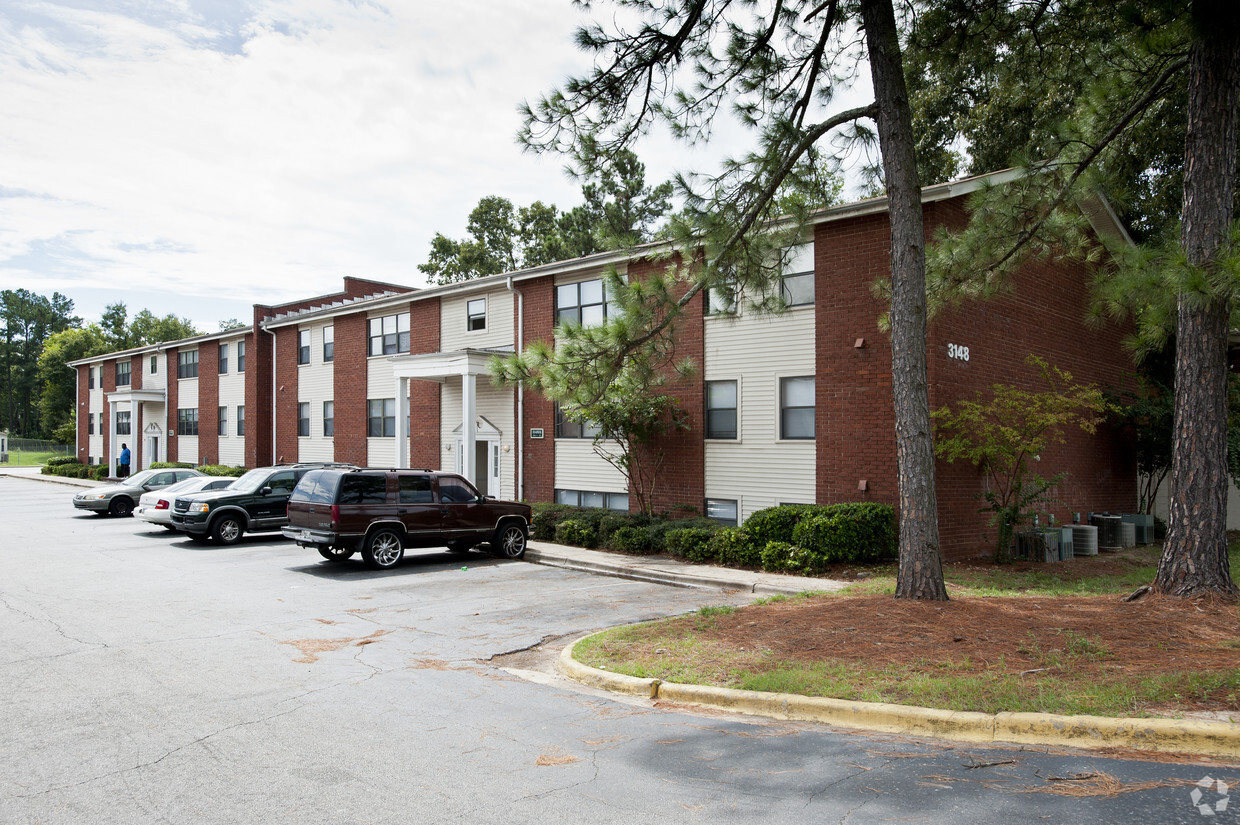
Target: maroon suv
<point>381,512</point>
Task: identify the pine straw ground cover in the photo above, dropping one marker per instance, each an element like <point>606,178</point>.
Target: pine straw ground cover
<point>1071,654</point>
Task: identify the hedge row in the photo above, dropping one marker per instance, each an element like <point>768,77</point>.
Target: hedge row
<point>799,538</point>
<point>69,467</point>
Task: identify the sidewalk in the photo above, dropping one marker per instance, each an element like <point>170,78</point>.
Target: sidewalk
<point>35,474</point>
<point>670,571</point>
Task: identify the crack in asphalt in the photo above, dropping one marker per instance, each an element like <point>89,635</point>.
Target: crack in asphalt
<point>153,762</point>
<point>55,625</point>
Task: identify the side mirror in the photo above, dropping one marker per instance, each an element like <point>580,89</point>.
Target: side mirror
<point>266,491</point>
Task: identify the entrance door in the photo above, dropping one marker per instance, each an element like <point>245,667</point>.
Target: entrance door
<point>486,465</point>
<point>151,454</point>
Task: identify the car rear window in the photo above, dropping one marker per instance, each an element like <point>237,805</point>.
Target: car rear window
<point>363,488</point>
<point>317,487</point>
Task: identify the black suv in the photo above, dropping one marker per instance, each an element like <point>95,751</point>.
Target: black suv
<point>381,512</point>
<point>256,502</point>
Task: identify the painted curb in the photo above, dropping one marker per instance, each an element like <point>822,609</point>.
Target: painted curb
<point>1163,735</point>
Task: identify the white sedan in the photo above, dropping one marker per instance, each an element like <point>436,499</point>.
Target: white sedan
<point>156,506</point>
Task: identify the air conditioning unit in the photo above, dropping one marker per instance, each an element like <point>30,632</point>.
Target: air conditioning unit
<point>1144,524</point>
<point>1084,540</point>
<point>1109,532</point>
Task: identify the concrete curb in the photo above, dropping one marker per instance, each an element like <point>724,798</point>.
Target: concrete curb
<point>61,480</point>
<point>1221,739</point>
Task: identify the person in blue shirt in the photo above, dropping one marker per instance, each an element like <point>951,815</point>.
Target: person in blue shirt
<point>122,469</point>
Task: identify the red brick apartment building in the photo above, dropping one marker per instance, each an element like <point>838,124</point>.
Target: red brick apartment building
<point>799,403</point>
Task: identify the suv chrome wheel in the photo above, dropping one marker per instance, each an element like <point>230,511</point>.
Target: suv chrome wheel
<point>334,553</point>
<point>227,530</point>
<point>383,549</point>
<point>509,542</point>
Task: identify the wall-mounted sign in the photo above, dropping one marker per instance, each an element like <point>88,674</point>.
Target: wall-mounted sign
<point>958,352</point>
<point>536,432</point>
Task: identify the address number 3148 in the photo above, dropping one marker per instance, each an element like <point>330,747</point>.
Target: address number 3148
<point>958,352</point>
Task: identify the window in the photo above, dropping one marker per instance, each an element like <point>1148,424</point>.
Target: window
<point>565,428</point>
<point>90,423</point>
<point>223,359</point>
<point>798,280</point>
<point>721,510</point>
<point>223,426</point>
<point>123,369</point>
<point>796,408</point>
<point>122,423</point>
<point>476,314</point>
<point>389,334</point>
<point>585,498</point>
<point>283,481</point>
<point>90,378</point>
<point>456,491</point>
<point>329,344</point>
<point>187,422</point>
<point>329,418</point>
<point>721,409</point>
<point>363,488</point>
<point>154,364</point>
<point>586,303</point>
<point>381,419</point>
<point>415,490</point>
<point>303,346</point>
<point>240,419</point>
<point>721,299</point>
<point>241,356</point>
<point>303,418</point>
<point>187,364</point>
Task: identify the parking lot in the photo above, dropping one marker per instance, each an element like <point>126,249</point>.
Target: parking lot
<point>152,679</point>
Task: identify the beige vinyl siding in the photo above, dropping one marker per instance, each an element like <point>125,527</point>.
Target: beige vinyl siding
<point>316,384</point>
<point>380,383</point>
<point>500,327</point>
<point>157,380</point>
<point>232,395</point>
<point>578,467</point>
<point>758,469</point>
<point>495,405</point>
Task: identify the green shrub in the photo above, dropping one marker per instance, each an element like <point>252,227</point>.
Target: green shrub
<point>660,528</point>
<point>172,465</point>
<point>735,547</point>
<point>74,469</point>
<point>691,543</point>
<point>577,533</point>
<point>546,516</point>
<point>860,532</point>
<point>634,540</point>
<point>782,557</point>
<point>222,470</point>
<point>613,521</point>
<point>777,523</point>
<point>99,472</point>
<point>60,460</point>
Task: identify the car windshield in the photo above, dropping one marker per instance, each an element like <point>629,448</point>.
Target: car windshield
<point>252,481</point>
<point>182,486</point>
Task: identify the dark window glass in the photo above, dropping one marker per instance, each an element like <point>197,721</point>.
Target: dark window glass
<point>389,335</point>
<point>329,418</point>
<point>187,422</point>
<point>241,419</point>
<point>303,418</point>
<point>223,359</point>
<point>796,408</point>
<point>476,314</point>
<point>363,488</point>
<point>318,487</point>
<point>241,356</point>
<point>415,490</point>
<point>303,346</point>
<point>123,369</point>
<point>456,490</point>
<point>329,344</point>
<point>381,421</point>
<point>187,364</point>
<point>122,423</point>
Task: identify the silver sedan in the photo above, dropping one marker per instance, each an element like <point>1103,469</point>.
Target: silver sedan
<point>118,499</point>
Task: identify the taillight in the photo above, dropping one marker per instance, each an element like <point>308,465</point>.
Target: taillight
<point>335,515</point>
<point>162,504</point>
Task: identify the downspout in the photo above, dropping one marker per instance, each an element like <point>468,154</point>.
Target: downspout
<point>520,393</point>
<point>159,348</point>
<point>274,400</point>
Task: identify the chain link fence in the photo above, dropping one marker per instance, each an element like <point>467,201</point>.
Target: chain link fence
<point>25,452</point>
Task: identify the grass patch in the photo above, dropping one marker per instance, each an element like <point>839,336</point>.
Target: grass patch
<point>29,458</point>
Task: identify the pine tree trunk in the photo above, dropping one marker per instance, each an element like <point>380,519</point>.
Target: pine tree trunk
<point>920,570</point>
<point>1194,559</point>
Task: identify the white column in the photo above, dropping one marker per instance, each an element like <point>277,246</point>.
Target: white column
<point>113,445</point>
<point>469,421</point>
<point>402,423</point>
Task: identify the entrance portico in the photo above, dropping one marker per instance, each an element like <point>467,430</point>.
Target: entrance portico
<point>440,367</point>
<point>146,446</point>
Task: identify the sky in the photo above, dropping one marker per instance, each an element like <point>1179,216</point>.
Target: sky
<point>196,157</point>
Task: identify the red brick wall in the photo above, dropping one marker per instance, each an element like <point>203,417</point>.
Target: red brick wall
<point>83,411</point>
<point>681,479</point>
<point>350,401</point>
<point>855,421</point>
<point>538,455</point>
<point>258,401</point>
<point>209,402</point>
<point>173,395</point>
<point>286,395</point>
<point>424,396</point>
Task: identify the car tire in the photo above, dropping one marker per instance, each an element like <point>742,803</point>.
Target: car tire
<point>383,549</point>
<point>509,542</point>
<point>227,529</point>
<point>121,506</point>
<point>460,547</point>
<point>333,553</point>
